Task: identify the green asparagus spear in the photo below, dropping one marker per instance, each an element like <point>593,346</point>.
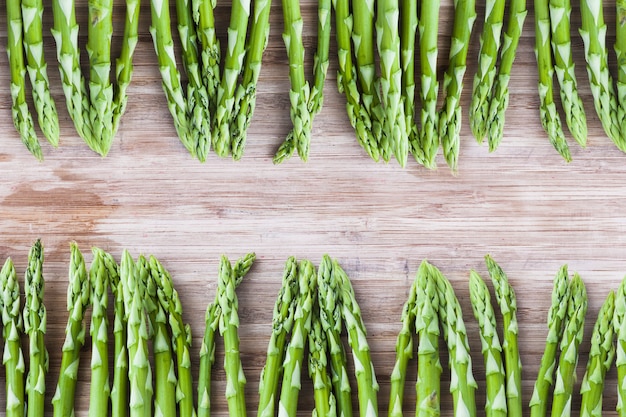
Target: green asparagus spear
<point>300,93</point>
<point>246,91</point>
<point>620,52</point>
<point>367,386</point>
<point>35,326</point>
<point>294,356</point>
<point>119,389</point>
<point>619,326</point>
<point>450,115</point>
<point>560,11</point>
<point>487,69</point>
<point>593,32</point>
<point>65,32</point>
<point>561,293</point>
<point>325,405</point>
<point>164,369</point>
<point>207,350</point>
<point>99,34</point>
<point>170,76</point>
<point>495,381</point>
<point>408,34</point>
<point>500,98</point>
<point>282,323</point>
<point>364,50</point>
<point>388,39</point>
<point>99,389</point>
<point>321,60</point>
<point>428,386</point>
<point>32,12</point>
<point>367,130</point>
<point>204,19</point>
<point>426,150</point>
<point>124,62</point>
<point>330,317</point>
<point>229,329</point>
<point>550,119</point>
<point>12,327</point>
<point>570,342</point>
<point>22,118</point>
<point>601,356</point>
<point>404,353</point>
<point>78,299</point>
<point>137,340</point>
<point>462,383</point>
<point>181,336</point>
<point>505,297</point>
<point>197,96</point>
<point>233,66</point>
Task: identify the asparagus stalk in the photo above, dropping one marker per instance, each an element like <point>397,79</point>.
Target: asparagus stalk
<point>404,353</point>
<point>32,11</point>
<point>294,356</point>
<point>593,33</point>
<point>560,11</point>
<point>550,118</point>
<point>620,52</point>
<point>207,350</point>
<point>363,40</point>
<point>170,76</point>
<point>181,336</point>
<point>321,60</point>
<point>246,91</point>
<point>229,329</point>
<point>35,326</point>
<point>505,297</point>
<point>330,317</point>
<point>119,389</point>
<point>367,130</point>
<point>282,323</point>
<point>233,65</point>
<point>22,118</point>
<point>124,62</point>
<point>164,369</point>
<point>561,293</point>
<point>78,299</point>
<point>487,69</point>
<point>325,405</point>
<point>12,327</point>
<point>495,379</point>
<point>99,389</point>
<point>65,32</point>
<point>619,327</point>
<point>139,369</point>
<point>601,356</point>
<point>570,342</point>
<point>100,31</point>
<point>367,385</point>
<point>204,20</point>
<point>450,116</point>
<point>300,93</point>
<point>388,39</point>
<point>197,97</point>
<point>426,151</point>
<point>500,97</point>
<point>408,34</point>
<point>428,386</point>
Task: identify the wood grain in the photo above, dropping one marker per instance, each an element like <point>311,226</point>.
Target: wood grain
<point>522,204</point>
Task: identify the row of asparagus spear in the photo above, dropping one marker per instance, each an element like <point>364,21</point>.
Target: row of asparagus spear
<point>379,43</point>
<point>315,310</point>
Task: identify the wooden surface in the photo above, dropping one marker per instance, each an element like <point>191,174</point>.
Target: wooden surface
<point>522,204</point>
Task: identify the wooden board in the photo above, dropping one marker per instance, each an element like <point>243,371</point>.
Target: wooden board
<point>522,204</point>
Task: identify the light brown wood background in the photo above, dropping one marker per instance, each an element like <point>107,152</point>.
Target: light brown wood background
<point>522,204</point>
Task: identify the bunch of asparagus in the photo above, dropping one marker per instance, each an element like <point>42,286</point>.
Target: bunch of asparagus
<point>430,310</point>
<point>25,52</point>
<point>95,106</point>
<point>309,315</point>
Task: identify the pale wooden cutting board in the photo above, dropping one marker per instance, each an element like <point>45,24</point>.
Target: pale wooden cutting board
<point>522,204</point>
